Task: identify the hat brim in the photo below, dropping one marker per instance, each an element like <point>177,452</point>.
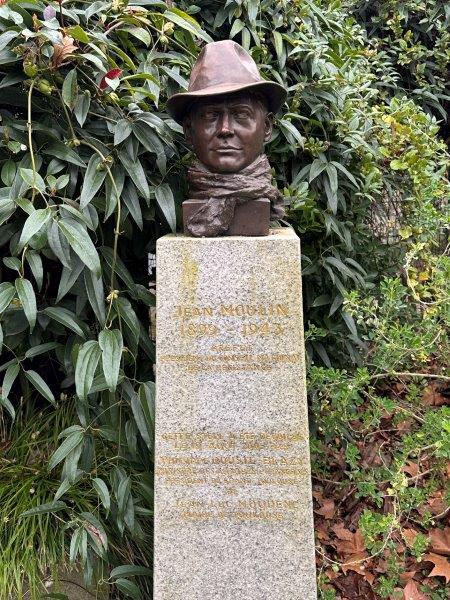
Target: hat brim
<point>275,94</point>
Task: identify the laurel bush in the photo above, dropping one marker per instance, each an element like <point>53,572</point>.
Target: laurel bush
<point>91,170</point>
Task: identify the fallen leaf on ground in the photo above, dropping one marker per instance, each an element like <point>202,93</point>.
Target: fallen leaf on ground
<point>432,396</point>
<point>327,509</point>
<point>356,563</point>
<point>406,576</point>
<point>441,566</point>
<point>409,536</point>
<point>412,592</point>
<point>348,542</point>
<point>354,587</point>
<point>440,541</point>
<point>411,468</point>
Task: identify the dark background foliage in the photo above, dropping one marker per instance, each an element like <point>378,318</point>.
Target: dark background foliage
<point>92,173</point>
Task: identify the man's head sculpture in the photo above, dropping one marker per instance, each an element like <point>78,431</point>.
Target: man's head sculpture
<point>227,117</point>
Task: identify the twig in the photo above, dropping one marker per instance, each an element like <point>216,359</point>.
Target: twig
<point>410,375</point>
<point>30,140</point>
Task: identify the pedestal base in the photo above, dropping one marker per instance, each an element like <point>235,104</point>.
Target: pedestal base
<point>233,507</point>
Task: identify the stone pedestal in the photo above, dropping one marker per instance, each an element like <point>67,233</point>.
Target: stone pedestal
<point>233,509</point>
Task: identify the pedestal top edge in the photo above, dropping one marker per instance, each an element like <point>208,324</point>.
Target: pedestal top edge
<point>280,233</point>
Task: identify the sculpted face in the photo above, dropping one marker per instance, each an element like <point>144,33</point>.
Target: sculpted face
<point>228,132</point>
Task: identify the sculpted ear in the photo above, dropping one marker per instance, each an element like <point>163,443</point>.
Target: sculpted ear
<point>268,126</point>
<point>187,128</point>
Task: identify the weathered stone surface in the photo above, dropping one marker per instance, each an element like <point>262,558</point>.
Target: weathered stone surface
<point>233,514</point>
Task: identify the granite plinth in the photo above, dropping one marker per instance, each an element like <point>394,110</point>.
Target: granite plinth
<point>233,508</point>
<point>250,218</point>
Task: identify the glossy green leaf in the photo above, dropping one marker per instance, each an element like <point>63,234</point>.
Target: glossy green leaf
<point>103,493</point>
<point>187,22</point>
<point>93,180</point>
<point>111,344</point>
<point>166,203</point>
<point>60,150</point>
<point>41,349</point>
<point>58,243</point>
<point>69,277</point>
<point>130,571</point>
<point>131,201</point>
<point>81,243</point>
<point>33,180</point>
<point>35,261</point>
<point>70,443</point>
<point>7,293</point>
<point>8,406</point>
<point>10,376</point>
<point>113,191</point>
<point>143,425</point>
<point>81,107</point>
<point>70,89</point>
<point>129,588</point>
<point>33,224</point>
<point>87,361</point>
<point>66,318</point>
<point>131,321</point>
<point>27,298</point>
<point>96,295</point>
<point>8,172</point>
<point>36,380</point>
<point>122,131</point>
<point>136,172</point>
<point>78,33</point>
<point>43,509</point>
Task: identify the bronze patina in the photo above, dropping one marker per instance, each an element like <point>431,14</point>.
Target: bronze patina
<point>227,116</point>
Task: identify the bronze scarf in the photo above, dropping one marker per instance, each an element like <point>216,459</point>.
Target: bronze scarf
<point>224,191</point>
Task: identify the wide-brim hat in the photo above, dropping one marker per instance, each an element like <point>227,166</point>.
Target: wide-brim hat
<point>223,68</point>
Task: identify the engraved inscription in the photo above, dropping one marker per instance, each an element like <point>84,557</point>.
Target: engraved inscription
<point>232,310</point>
<point>236,463</point>
<point>230,362</point>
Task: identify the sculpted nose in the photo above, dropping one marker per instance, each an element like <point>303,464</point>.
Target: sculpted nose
<point>225,126</point>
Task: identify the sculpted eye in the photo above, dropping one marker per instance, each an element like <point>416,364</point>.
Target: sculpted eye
<point>210,115</point>
<point>242,114</point>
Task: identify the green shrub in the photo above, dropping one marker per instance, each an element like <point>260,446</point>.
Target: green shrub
<point>91,171</point>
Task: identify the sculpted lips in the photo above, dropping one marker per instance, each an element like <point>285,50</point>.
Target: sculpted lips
<point>227,149</point>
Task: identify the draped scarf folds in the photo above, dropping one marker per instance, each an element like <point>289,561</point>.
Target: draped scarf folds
<point>222,192</point>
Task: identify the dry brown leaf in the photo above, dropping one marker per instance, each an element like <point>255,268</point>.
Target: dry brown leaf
<point>432,396</point>
<point>327,509</point>
<point>63,50</point>
<point>411,468</point>
<point>409,535</point>
<point>436,503</point>
<point>331,574</point>
<point>342,533</point>
<point>354,587</point>
<point>412,592</point>
<point>355,562</point>
<point>440,541</point>
<point>406,576</point>
<point>441,566</point>
<point>348,543</point>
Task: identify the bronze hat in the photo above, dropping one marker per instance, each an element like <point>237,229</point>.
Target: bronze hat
<point>222,68</point>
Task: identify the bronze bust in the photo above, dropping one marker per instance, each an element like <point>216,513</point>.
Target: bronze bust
<point>227,117</point>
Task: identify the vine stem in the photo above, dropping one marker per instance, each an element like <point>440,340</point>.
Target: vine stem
<point>24,251</point>
<point>66,112</point>
<point>411,375</point>
<point>119,215</point>
<point>30,140</point>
